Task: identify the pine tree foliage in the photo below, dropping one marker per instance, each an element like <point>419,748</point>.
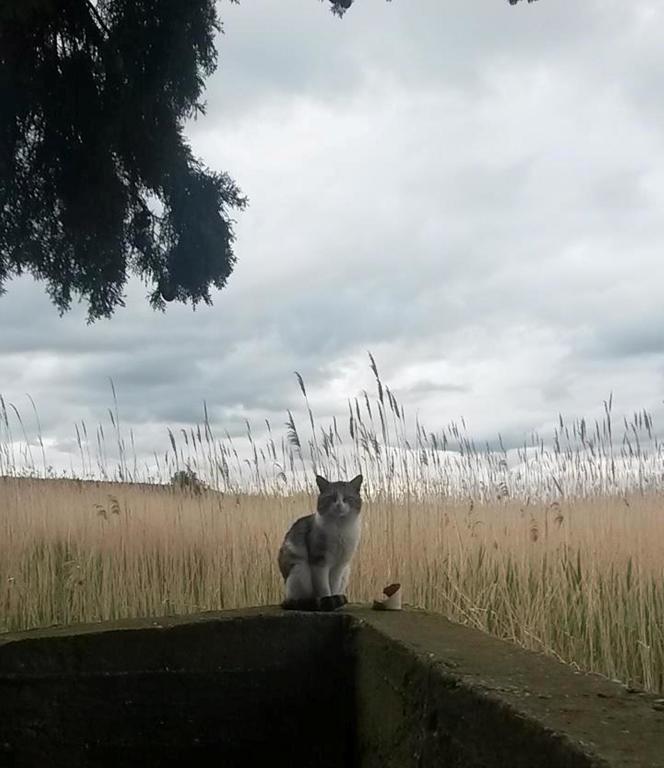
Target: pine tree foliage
<point>96,178</point>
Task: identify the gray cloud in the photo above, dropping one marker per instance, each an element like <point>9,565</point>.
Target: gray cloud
<point>631,334</point>
<point>470,190</point>
<point>427,386</point>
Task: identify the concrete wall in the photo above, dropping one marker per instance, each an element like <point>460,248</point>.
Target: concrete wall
<point>237,689</point>
<point>430,692</point>
<point>266,687</point>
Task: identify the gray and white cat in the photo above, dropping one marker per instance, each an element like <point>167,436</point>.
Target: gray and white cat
<point>317,550</point>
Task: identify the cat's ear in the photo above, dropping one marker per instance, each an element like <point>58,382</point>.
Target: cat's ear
<point>356,483</point>
<point>322,483</point>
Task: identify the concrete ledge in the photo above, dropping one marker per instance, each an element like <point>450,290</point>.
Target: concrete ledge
<point>356,687</point>
<point>431,690</point>
<point>235,689</point>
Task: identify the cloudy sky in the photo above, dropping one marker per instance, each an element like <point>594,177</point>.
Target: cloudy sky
<point>472,191</point>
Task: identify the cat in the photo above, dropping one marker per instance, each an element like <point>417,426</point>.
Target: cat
<point>315,556</point>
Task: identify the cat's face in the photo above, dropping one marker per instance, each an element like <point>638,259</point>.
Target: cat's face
<point>339,499</point>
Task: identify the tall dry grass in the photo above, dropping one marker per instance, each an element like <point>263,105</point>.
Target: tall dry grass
<point>582,580</point>
<point>556,544</point>
<point>398,457</point>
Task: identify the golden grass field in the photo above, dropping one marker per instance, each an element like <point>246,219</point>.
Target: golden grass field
<point>557,545</point>
<point>581,580</point>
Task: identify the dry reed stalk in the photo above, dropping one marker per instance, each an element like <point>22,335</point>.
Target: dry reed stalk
<point>589,588</point>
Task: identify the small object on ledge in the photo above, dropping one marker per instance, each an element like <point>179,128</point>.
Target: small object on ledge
<point>391,601</point>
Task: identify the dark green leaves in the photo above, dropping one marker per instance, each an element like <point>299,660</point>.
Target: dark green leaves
<point>96,178</point>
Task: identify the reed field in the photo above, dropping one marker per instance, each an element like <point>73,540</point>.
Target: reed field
<point>557,545</point>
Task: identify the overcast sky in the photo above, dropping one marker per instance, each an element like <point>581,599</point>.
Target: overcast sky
<point>471,190</point>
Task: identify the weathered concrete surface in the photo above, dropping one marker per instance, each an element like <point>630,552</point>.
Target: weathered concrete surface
<point>232,689</point>
<point>264,686</point>
<point>430,692</point>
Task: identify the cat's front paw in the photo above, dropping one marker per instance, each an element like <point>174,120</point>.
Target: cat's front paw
<point>332,602</point>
